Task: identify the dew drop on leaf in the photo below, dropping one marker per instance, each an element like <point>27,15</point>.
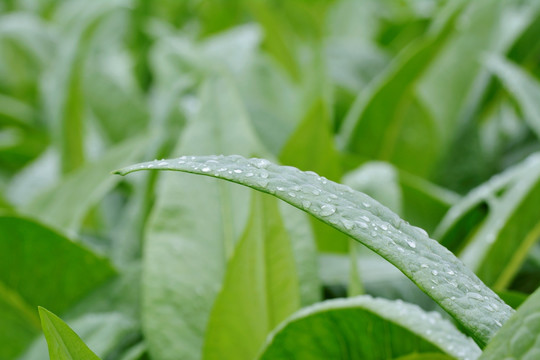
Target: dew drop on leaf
<point>327,210</point>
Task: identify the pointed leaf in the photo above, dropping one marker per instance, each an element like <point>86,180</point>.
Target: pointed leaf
<point>518,338</point>
<point>260,288</point>
<point>64,343</point>
<point>432,267</point>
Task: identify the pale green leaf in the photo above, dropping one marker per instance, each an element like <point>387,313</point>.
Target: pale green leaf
<point>367,328</point>
<point>519,337</point>
<point>432,267</point>
<point>260,289</point>
<point>64,343</point>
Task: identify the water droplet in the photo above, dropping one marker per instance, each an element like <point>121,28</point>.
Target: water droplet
<point>400,249</point>
<point>296,188</point>
<point>434,272</point>
<point>365,218</point>
<point>425,266</point>
<point>316,192</point>
<point>333,196</point>
<point>249,174</point>
<point>347,223</point>
<point>260,163</point>
<point>263,183</point>
<point>306,204</point>
<point>497,323</point>
<point>181,162</point>
<point>452,298</point>
<point>163,163</point>
<point>450,272</point>
<point>238,171</point>
<point>327,210</point>
<point>374,234</point>
<point>384,227</point>
<point>475,296</point>
<point>366,205</point>
<point>206,169</point>
<point>264,174</point>
<point>420,230</point>
<point>361,224</point>
<point>495,306</point>
<point>279,188</point>
<point>291,194</point>
<point>411,243</point>
<point>489,308</point>
<point>323,179</point>
<point>150,166</point>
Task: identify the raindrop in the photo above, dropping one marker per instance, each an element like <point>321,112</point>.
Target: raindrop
<point>374,234</point>
<point>366,205</point>
<point>291,194</point>
<point>263,183</point>
<point>452,298</point>
<point>333,196</point>
<point>163,163</point>
<point>222,169</point>
<point>249,174</point>
<point>365,218</point>
<point>279,188</point>
<point>296,188</point>
<point>425,266</point>
<point>384,227</point>
<point>316,192</point>
<point>261,163</point>
<point>361,224</point>
<point>238,171</point>
<point>306,204</point>
<point>450,272</point>
<point>150,166</point>
<point>181,162</point>
<point>489,308</point>
<point>435,272</point>
<point>327,210</point>
<point>475,296</point>
<point>497,323</point>
<point>264,174</point>
<point>400,249</point>
<point>495,306</point>
<point>206,169</point>
<point>411,243</point>
<point>347,223</point>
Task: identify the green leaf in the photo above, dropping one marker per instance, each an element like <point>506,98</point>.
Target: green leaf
<point>518,338</point>
<point>432,267</point>
<point>187,245</point>
<point>524,88</point>
<point>387,121</point>
<point>64,343</point>
<point>500,245</point>
<point>260,289</point>
<point>472,209</point>
<point>323,158</point>
<point>65,205</point>
<point>367,328</point>
<point>39,266</point>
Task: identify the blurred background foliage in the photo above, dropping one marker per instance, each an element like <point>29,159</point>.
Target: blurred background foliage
<point>431,107</point>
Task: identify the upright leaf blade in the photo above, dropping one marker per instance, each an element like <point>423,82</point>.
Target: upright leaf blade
<point>260,289</point>
<point>64,343</point>
<point>366,328</point>
<point>432,267</point>
<point>518,338</point>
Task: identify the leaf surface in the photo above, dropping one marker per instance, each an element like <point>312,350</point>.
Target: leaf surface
<point>519,337</point>
<point>432,267</point>
<point>64,343</point>
<point>367,328</point>
<point>260,289</point>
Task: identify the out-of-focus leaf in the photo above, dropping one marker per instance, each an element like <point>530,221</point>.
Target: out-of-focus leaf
<point>187,245</point>
<point>64,343</point>
<point>513,298</point>
<point>387,121</point>
<point>500,245</point>
<point>431,266</point>
<point>518,338</point>
<point>471,210</point>
<point>300,151</point>
<point>524,88</point>
<point>260,288</point>
<point>65,205</point>
<point>367,328</point>
<point>31,255</point>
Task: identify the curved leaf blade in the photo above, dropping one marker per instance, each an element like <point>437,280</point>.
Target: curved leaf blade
<point>367,328</point>
<point>518,338</point>
<point>64,343</point>
<point>428,264</point>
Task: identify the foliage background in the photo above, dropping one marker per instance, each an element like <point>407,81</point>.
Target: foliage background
<point>430,107</point>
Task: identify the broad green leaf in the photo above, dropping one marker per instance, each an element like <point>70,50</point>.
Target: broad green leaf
<point>518,338</point>
<point>64,343</point>
<point>524,88</point>
<point>471,210</point>
<point>431,266</point>
<point>500,245</point>
<point>187,245</point>
<point>260,289</point>
<point>65,205</point>
<point>387,121</point>
<point>367,328</point>
<point>323,158</point>
<point>39,267</point>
